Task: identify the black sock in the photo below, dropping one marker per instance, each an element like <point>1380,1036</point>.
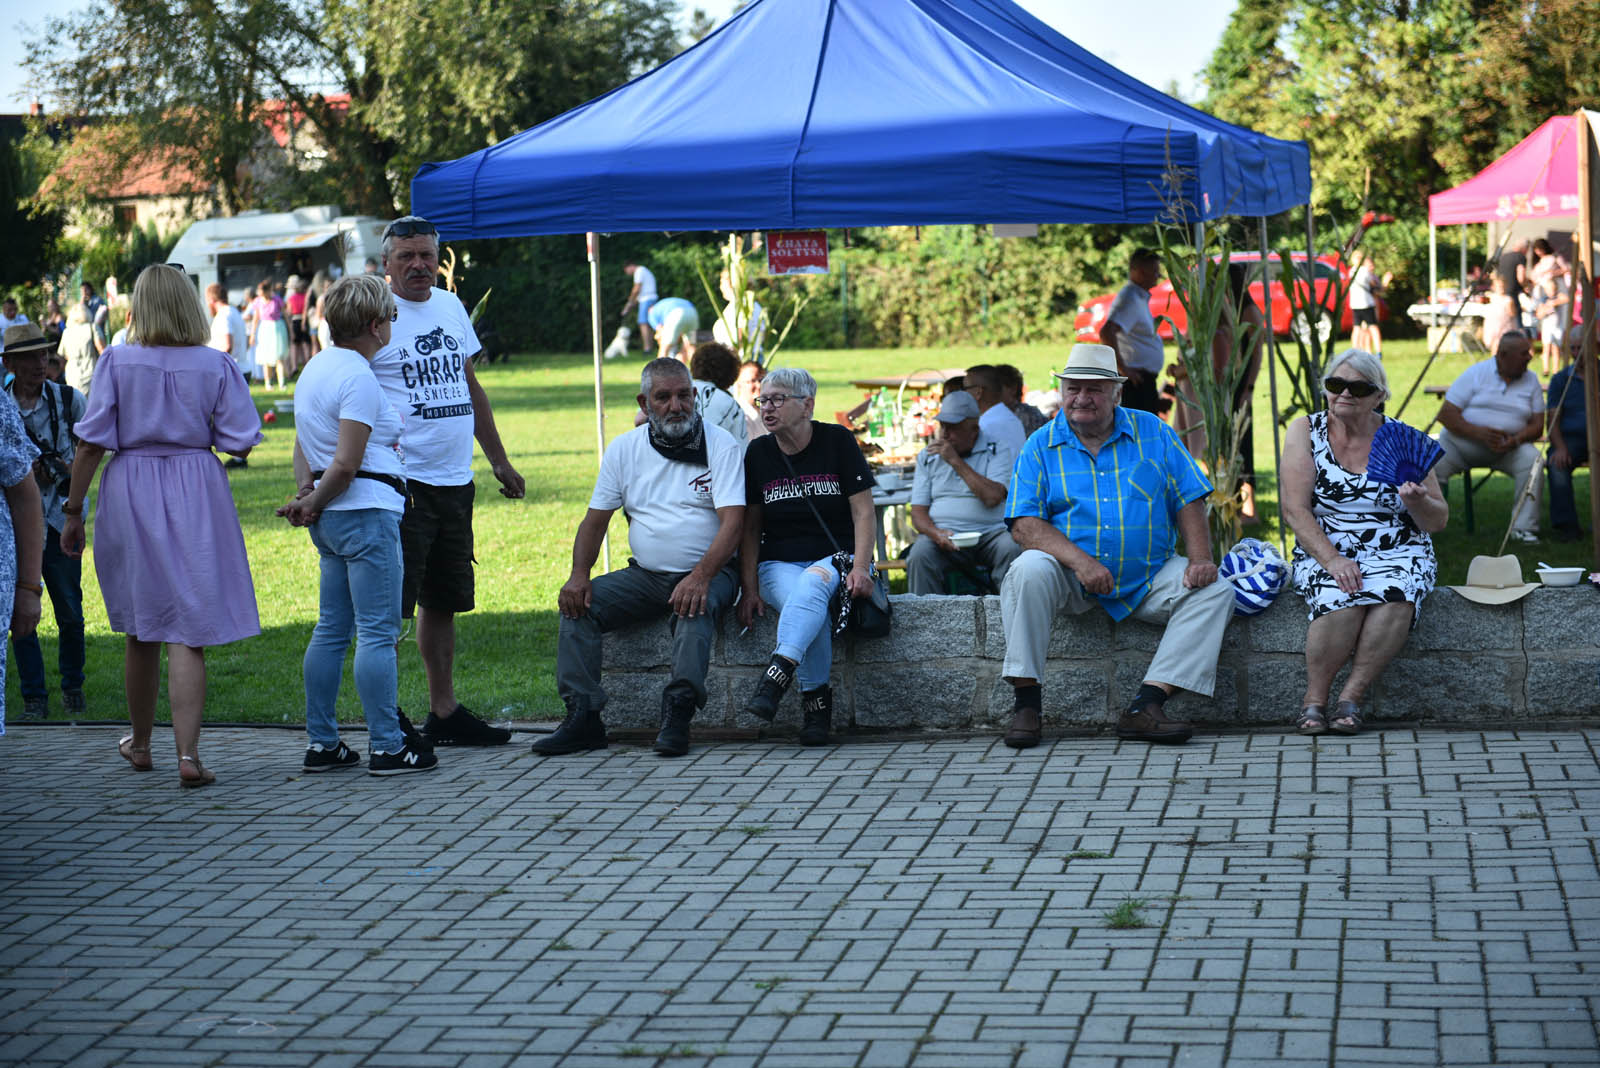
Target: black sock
<point>1029,696</point>
<point>1148,693</point>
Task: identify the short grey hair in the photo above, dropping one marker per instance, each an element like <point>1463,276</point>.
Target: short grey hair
<point>665,366</point>
<point>353,303</point>
<point>1365,364</point>
<point>388,238</point>
<point>795,381</point>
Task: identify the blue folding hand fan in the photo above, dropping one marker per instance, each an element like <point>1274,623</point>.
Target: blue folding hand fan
<point>1401,454</point>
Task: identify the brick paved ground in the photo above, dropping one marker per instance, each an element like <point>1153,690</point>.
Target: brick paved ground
<point>1409,897</point>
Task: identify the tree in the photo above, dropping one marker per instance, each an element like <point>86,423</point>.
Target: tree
<point>1533,60</point>
<point>29,236</point>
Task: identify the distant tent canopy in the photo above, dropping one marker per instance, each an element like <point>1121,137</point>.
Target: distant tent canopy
<point>1536,179</point>
<point>849,113</point>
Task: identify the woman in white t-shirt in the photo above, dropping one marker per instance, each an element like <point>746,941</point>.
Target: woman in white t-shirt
<point>352,494</point>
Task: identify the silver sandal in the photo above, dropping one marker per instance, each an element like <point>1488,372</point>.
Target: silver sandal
<point>1313,720</point>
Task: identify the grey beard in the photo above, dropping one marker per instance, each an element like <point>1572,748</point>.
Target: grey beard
<point>674,433</point>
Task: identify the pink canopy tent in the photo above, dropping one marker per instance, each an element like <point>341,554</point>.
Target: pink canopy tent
<point>1537,178</point>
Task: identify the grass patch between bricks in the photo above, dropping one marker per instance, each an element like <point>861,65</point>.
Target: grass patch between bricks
<point>1127,915</point>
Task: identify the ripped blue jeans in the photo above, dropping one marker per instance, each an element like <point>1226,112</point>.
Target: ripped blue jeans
<point>801,593</point>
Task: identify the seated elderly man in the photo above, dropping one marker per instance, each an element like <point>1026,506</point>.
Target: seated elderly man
<point>1097,500</point>
<point>681,482</point>
<point>960,489</point>
<point>1491,416</point>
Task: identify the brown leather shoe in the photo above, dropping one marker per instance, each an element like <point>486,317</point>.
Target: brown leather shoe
<point>1150,724</point>
<point>1024,730</point>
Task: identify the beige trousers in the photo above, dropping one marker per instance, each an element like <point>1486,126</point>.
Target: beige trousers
<point>1038,586</point>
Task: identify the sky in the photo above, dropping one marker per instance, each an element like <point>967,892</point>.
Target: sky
<point>1156,41</point>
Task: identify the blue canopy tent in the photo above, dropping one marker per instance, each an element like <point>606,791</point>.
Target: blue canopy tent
<point>851,113</point>
<point>848,113</point>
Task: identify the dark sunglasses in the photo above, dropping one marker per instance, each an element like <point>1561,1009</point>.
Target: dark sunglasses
<point>410,228</point>
<point>1356,388</point>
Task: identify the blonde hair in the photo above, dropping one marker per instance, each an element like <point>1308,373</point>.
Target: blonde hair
<point>167,309</point>
<point>353,302</point>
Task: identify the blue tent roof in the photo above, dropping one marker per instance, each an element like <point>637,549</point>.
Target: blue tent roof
<point>830,113</point>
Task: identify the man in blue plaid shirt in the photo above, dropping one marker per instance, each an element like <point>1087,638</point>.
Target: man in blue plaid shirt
<point>1097,500</point>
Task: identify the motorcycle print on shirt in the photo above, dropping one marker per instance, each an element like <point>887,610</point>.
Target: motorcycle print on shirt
<point>433,370</point>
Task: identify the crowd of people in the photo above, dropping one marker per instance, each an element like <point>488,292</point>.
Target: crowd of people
<point>738,498</point>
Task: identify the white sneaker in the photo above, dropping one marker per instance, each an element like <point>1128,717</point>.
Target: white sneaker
<point>1526,537</point>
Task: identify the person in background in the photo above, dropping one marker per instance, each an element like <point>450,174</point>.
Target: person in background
<point>352,493</point>
<point>54,321</point>
<point>641,296</point>
<point>715,368</point>
<point>229,335</point>
<point>427,370</point>
<point>1551,294</point>
<point>9,315</point>
<point>674,321</point>
<point>681,483</point>
<point>996,420</point>
<point>1130,329</point>
<point>316,325</point>
<point>79,350</point>
<point>169,552</point>
<point>960,488</point>
<point>372,267</point>
<point>299,335</point>
<point>1491,415</point>
<point>1363,557</point>
<point>1502,314</point>
<point>1569,440</point>
<point>1365,289</point>
<point>96,315</point>
<point>792,561</point>
<point>1011,390</point>
<point>744,391</point>
<point>269,335</point>
<point>49,415</point>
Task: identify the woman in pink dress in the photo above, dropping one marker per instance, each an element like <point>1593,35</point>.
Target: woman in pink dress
<point>168,549</point>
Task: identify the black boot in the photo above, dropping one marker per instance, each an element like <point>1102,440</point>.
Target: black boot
<point>817,705</point>
<point>676,712</point>
<point>580,731</point>
<point>770,690</point>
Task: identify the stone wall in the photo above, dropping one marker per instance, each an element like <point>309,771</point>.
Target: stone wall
<point>1466,663</point>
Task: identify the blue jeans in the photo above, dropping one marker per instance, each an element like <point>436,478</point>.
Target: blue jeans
<point>1563,505</point>
<point>801,593</point>
<point>63,580</point>
<point>361,574</point>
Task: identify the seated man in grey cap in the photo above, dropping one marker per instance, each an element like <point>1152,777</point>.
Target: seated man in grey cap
<point>1097,501</point>
<point>958,498</point>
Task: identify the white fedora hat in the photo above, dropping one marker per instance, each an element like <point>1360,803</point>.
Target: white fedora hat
<point>1091,363</point>
<point>1495,580</point>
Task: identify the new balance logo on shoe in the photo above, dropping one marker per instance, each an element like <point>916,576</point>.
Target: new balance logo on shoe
<point>404,762</point>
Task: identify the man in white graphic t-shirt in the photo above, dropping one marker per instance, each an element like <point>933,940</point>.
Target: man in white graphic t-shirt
<point>427,371</point>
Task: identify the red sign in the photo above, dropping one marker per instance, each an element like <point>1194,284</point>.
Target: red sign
<point>797,252</point>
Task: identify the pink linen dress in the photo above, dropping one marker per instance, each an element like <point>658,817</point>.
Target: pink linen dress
<point>167,545</point>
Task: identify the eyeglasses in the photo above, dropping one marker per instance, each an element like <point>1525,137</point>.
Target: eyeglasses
<point>774,400</point>
<point>1355,387</point>
<point>410,226</point>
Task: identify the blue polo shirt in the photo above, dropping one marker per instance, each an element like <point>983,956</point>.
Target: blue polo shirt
<point>1573,420</point>
<point>1120,507</point>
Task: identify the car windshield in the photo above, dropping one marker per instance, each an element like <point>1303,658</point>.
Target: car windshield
<point>1325,272</point>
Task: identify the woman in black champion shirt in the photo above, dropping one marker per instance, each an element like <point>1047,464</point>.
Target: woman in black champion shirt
<point>788,560</point>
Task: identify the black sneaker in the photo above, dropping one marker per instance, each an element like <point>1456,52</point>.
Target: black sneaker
<point>72,703</point>
<point>340,756</point>
<point>413,737</point>
<point>463,728</point>
<point>401,763</point>
<point>35,708</point>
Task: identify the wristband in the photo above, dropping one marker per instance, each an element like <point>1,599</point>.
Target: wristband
<point>37,591</point>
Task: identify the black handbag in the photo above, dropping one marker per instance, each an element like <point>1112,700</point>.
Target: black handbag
<point>870,616</point>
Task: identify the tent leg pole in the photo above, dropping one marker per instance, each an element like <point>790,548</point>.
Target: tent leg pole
<point>1200,254</point>
<point>1313,305</point>
<point>1271,356</point>
<point>593,243</point>
<point>1433,267</point>
<point>1463,258</point>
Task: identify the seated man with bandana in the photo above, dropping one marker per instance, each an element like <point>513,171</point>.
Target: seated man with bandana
<point>681,483</point>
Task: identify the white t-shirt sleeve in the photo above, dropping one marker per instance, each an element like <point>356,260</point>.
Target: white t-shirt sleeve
<point>360,400</point>
<point>921,488</point>
<point>1461,390</point>
<point>607,496</point>
<point>469,336</point>
<point>725,457</point>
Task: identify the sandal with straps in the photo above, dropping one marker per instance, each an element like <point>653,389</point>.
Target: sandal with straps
<point>202,777</point>
<point>1312,720</point>
<point>1346,718</point>
<point>136,755</point>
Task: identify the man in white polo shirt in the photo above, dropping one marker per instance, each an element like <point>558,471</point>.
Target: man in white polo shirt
<point>1491,416</point>
<point>1130,329</point>
<point>680,480</point>
<point>960,488</point>
<point>427,371</point>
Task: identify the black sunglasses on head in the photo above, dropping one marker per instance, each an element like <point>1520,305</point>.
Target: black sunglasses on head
<point>410,228</point>
<point>1355,387</point>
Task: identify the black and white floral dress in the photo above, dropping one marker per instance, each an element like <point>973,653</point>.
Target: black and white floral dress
<point>1366,522</point>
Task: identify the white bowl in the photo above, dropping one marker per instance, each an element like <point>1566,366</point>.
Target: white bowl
<point>284,407</point>
<point>1560,576</point>
<point>968,539</point>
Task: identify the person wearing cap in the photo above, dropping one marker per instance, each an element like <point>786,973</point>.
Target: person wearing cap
<point>49,414</point>
<point>1491,416</point>
<point>427,371</point>
<point>960,488</point>
<point>1097,501</point>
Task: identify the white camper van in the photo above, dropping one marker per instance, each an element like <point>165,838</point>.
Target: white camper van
<point>241,251</point>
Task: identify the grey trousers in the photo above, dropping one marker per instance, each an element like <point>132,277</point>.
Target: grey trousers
<point>1462,454</point>
<point>1039,586</point>
<point>635,595</point>
<point>927,564</point>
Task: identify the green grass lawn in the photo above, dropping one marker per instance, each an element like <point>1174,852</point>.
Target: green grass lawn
<point>545,409</point>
